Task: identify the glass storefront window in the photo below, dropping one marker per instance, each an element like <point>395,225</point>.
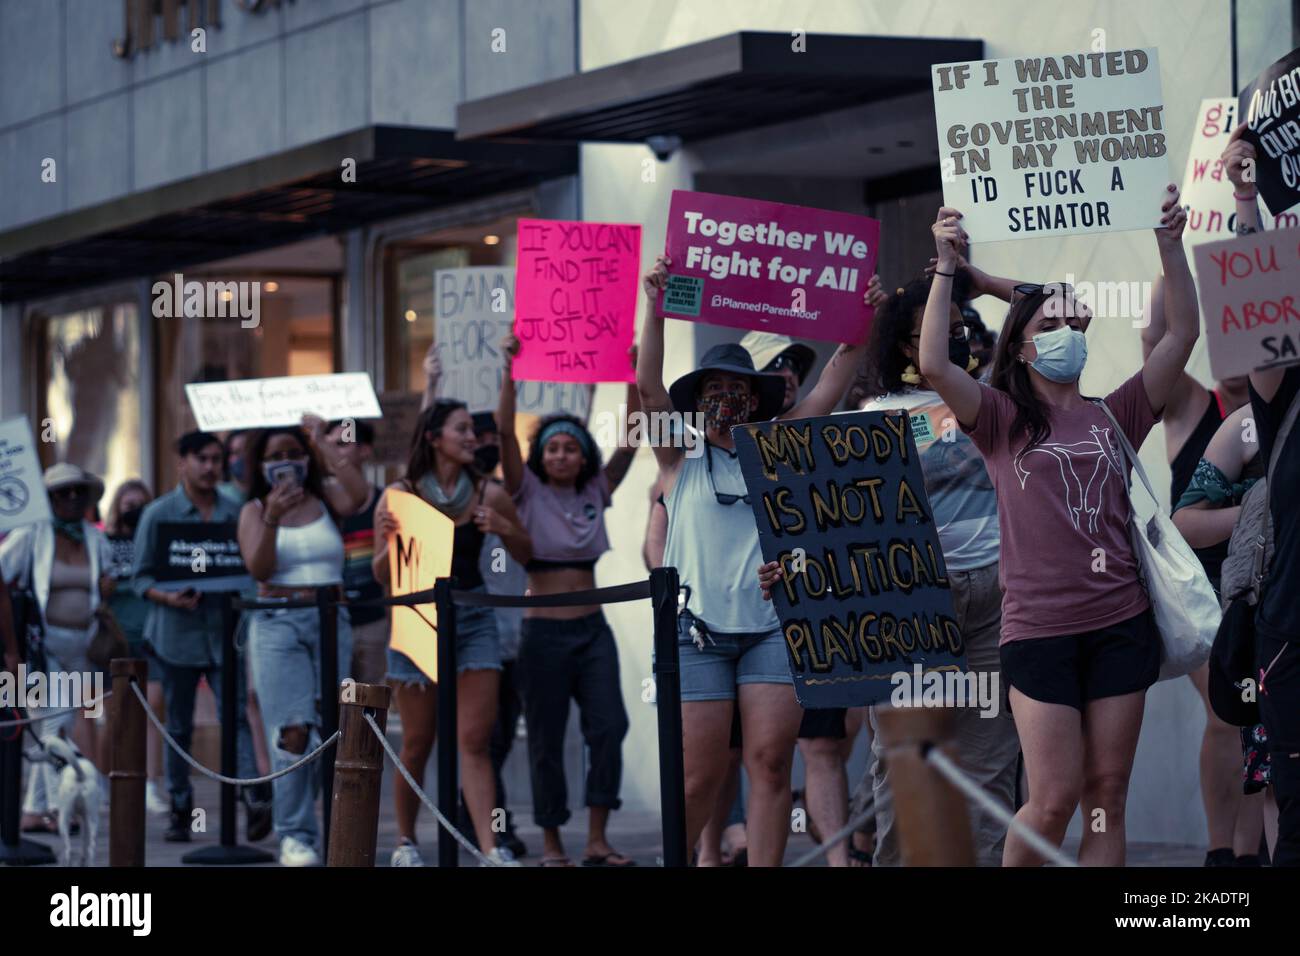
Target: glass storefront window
<point>88,391</point>
<point>296,335</point>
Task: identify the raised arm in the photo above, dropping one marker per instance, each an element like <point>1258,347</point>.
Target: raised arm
<point>1164,366</point>
<point>981,282</point>
<point>512,456</point>
<point>650,368</point>
<point>1239,164</point>
<point>656,531</point>
<point>958,390</point>
<point>1203,523</point>
<point>344,484</point>
<point>839,372</point>
<point>1187,402</point>
<point>432,376</point>
<point>621,460</point>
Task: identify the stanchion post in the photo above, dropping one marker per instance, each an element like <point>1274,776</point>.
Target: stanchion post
<point>327,607</point>
<point>668,699</point>
<point>933,818</point>
<point>358,776</point>
<point>229,851</point>
<point>448,783</point>
<point>128,727</point>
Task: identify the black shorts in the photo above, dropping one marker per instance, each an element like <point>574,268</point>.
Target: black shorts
<point>1072,669</point>
<point>823,722</point>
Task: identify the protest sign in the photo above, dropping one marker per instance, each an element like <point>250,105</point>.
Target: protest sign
<point>474,309</point>
<point>576,308</point>
<point>1270,107</point>
<point>1250,296</point>
<point>199,555</point>
<point>267,402</point>
<point>1053,145</point>
<point>22,492</point>
<point>749,264</point>
<point>1207,191</point>
<point>840,503</point>
<point>419,554</point>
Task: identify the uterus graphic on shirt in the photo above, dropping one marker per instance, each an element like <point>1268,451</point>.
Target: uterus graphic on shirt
<point>1083,468</point>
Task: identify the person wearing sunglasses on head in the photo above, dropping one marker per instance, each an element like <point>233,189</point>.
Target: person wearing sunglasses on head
<point>729,638</point>
<point>1079,647</point>
<point>65,564</point>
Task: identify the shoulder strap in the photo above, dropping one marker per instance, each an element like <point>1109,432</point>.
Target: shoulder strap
<point>1129,453</point>
<point>1283,433</point>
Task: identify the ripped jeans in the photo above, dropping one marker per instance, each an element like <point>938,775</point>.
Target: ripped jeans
<point>285,653</point>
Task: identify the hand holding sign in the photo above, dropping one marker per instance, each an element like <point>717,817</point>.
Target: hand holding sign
<point>1173,219</point>
<point>1237,159</point>
<point>949,238</point>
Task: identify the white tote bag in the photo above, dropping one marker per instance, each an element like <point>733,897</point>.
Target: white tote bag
<point>1182,599</point>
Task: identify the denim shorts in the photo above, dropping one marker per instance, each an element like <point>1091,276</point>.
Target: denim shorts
<point>729,660</point>
<point>478,647</point>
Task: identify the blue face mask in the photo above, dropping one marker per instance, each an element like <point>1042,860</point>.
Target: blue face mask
<point>237,469</point>
<point>1062,354</point>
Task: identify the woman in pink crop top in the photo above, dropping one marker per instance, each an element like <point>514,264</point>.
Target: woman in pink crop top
<point>566,653</point>
<point>1079,647</point>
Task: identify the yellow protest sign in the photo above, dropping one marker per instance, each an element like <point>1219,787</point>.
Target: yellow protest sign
<point>419,554</point>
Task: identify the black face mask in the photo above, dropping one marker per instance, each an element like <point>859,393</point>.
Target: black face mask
<point>959,352</point>
<point>130,519</point>
<point>486,458</point>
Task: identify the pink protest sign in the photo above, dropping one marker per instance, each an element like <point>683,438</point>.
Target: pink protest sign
<point>575,300</point>
<point>1249,295</point>
<point>750,264</point>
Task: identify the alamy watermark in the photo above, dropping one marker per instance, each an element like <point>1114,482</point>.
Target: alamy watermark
<point>38,689</point>
<point>947,688</point>
<point>624,429</point>
<point>209,299</point>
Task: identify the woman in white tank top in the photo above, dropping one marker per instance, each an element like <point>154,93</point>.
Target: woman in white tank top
<point>291,544</point>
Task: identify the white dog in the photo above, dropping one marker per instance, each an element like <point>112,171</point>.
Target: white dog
<point>76,797</point>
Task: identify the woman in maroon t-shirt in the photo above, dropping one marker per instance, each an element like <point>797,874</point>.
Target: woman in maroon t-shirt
<point>1078,646</point>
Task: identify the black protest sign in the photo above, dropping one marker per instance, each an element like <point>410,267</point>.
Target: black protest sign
<point>840,503</point>
<point>1270,107</point>
<point>203,555</point>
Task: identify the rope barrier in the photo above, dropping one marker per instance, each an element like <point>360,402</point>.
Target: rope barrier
<point>850,828</point>
<point>617,594</point>
<point>222,778</point>
<point>419,792</point>
<point>940,761</point>
<point>56,712</point>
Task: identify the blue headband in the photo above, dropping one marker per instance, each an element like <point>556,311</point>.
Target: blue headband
<point>566,428</point>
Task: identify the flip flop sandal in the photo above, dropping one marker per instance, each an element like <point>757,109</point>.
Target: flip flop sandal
<point>559,861</point>
<point>862,856</point>
<point>603,860</point>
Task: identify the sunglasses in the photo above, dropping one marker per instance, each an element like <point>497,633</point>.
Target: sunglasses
<point>72,493</point>
<point>1046,288</point>
<point>959,333</point>
<point>723,497</point>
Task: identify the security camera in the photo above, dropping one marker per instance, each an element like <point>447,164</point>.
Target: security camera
<point>664,146</point>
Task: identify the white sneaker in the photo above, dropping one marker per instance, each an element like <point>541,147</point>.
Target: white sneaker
<point>501,856</point>
<point>406,854</point>
<point>154,802</point>
<point>293,852</point>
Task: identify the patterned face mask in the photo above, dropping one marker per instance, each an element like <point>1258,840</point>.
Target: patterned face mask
<point>723,409</point>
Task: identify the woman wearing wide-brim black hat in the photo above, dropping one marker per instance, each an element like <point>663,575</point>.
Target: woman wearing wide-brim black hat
<point>729,638</point>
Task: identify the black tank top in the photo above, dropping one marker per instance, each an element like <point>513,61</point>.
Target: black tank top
<point>1193,450</point>
<point>1181,470</point>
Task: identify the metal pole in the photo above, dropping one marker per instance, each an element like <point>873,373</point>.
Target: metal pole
<point>126,779</point>
<point>448,783</point>
<point>228,851</point>
<point>329,697</point>
<point>358,777</point>
<point>668,699</point>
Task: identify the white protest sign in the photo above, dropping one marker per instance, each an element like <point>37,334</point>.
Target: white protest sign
<point>1251,300</point>
<point>1207,191</point>
<point>474,309</point>
<point>1053,145</point>
<point>267,402</point>
<point>22,492</point>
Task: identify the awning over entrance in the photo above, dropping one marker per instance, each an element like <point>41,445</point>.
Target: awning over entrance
<point>266,202</point>
<point>736,82</point>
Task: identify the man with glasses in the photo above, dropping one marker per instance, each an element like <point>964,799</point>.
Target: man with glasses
<point>184,627</point>
<point>729,638</point>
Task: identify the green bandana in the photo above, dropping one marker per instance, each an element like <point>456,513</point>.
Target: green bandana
<point>71,529</point>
